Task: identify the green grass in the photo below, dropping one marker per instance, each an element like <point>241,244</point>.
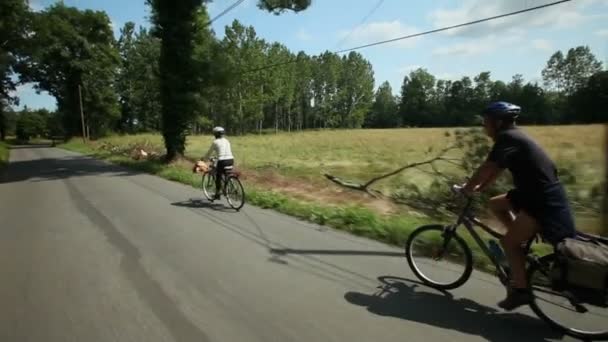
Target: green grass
<point>294,162</point>
<point>359,154</point>
<point>4,154</point>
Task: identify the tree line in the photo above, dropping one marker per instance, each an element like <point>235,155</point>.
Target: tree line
<point>178,78</point>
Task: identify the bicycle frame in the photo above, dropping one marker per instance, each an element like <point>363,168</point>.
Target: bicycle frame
<point>468,220</point>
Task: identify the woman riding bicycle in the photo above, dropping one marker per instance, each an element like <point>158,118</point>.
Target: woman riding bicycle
<point>221,148</point>
<point>537,204</point>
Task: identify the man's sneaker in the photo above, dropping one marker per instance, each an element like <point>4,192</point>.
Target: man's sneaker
<point>515,298</point>
<point>216,197</point>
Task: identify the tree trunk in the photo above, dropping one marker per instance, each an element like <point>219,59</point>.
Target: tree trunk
<point>276,118</point>
<point>2,123</point>
<point>289,119</point>
<point>240,111</point>
<point>604,230</point>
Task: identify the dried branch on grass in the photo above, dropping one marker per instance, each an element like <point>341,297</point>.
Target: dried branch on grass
<point>365,187</point>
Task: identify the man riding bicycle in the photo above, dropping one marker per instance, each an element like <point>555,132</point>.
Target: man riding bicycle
<point>220,148</point>
<point>537,204</point>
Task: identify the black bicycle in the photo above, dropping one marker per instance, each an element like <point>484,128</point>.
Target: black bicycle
<point>231,186</point>
<point>442,259</point>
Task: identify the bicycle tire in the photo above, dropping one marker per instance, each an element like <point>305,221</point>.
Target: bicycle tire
<point>468,258</point>
<point>234,181</point>
<point>208,185</point>
<point>576,333</point>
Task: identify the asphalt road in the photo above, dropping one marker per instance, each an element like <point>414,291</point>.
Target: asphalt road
<point>94,252</point>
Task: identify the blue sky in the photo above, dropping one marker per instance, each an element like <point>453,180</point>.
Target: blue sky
<point>520,44</point>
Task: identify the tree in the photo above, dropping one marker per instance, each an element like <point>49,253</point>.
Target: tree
<point>553,73</point>
<point>356,90</point>
<point>579,64</point>
<point>384,111</point>
<point>416,94</point>
<point>303,90</point>
<point>482,90</point>
<point>124,84</point>
<point>14,17</point>
<point>71,48</point>
<point>145,100</point>
<point>326,73</point>
<point>31,124</point>
<point>176,24</point>
<point>569,74</point>
<point>588,104</point>
<point>534,105</point>
<point>137,83</point>
<point>279,6</point>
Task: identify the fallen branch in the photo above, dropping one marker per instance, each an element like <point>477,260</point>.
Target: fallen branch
<point>365,187</point>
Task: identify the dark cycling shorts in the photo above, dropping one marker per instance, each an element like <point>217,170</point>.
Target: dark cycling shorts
<point>549,207</point>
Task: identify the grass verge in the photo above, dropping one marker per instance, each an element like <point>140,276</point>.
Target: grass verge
<point>4,154</point>
<point>357,220</point>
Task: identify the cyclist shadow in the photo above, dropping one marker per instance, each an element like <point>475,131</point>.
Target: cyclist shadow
<point>406,299</point>
<point>199,203</point>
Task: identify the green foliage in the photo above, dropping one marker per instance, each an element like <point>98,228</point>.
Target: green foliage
<point>570,73</point>
<point>176,24</point>
<point>138,84</point>
<point>8,121</point>
<point>589,103</point>
<point>14,16</point>
<point>280,6</point>
<point>31,124</point>
<point>4,154</point>
<point>384,110</point>
<point>68,48</point>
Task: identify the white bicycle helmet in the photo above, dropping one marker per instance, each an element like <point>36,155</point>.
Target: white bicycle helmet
<point>218,131</point>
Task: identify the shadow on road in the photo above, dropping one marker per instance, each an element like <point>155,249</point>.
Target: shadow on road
<point>32,145</point>
<point>199,203</point>
<point>412,301</point>
<point>286,251</point>
<point>47,169</point>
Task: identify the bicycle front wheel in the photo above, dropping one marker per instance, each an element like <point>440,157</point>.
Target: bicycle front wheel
<point>440,259</point>
<point>582,314</point>
<point>235,193</point>
<point>208,184</point>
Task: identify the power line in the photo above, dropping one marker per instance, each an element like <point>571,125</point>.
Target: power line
<point>367,16</point>
<point>455,26</point>
<point>419,34</point>
<point>228,9</point>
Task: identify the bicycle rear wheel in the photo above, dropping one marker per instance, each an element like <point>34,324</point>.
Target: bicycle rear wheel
<point>577,313</point>
<point>208,185</point>
<point>235,193</point>
<point>440,260</point>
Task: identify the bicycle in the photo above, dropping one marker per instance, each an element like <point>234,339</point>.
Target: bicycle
<point>543,274</point>
<point>231,186</point>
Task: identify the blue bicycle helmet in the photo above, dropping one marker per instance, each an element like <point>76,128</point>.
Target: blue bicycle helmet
<point>501,110</point>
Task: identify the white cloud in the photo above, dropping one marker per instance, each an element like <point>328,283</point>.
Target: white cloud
<point>565,15</point>
<point>303,35</point>
<point>602,33</point>
<point>542,44</point>
<point>379,31</point>
<point>36,6</point>
<point>407,69</point>
<point>449,76</point>
<point>465,49</point>
<point>479,46</point>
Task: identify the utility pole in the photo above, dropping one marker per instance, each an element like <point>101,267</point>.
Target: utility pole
<point>84,134</point>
